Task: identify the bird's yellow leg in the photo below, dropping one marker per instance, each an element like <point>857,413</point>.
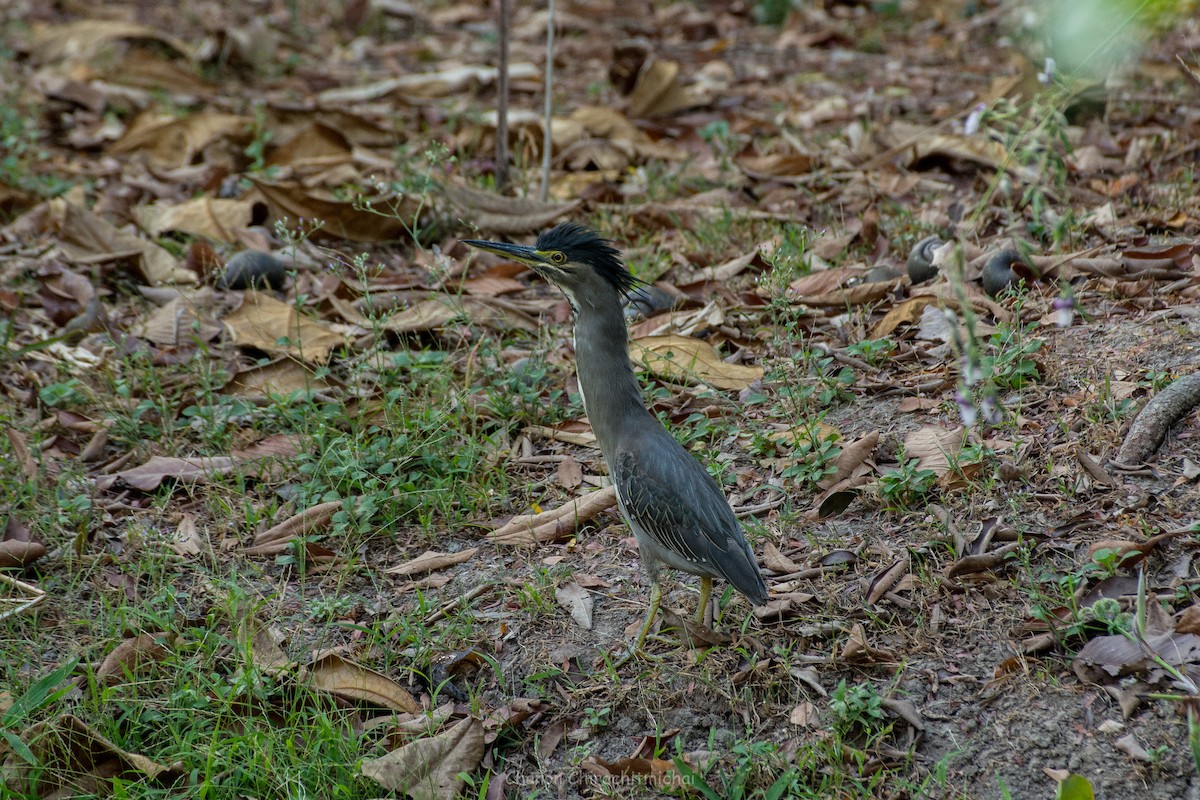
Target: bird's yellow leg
<point>655,601</point>
<point>705,594</point>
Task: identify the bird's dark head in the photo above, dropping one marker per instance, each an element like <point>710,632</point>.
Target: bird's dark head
<point>573,257</point>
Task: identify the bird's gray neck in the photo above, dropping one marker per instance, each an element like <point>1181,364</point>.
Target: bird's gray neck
<point>611,394</point>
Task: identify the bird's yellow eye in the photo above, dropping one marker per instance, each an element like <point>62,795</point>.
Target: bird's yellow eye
<point>558,257</point>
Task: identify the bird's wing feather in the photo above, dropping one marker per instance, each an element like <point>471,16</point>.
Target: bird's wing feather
<point>675,501</point>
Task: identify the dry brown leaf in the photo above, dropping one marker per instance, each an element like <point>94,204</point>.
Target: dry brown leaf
<point>431,561</point>
<point>85,39</point>
<point>657,771</point>
<point>427,84</point>
<point>1119,655</point>
<point>312,520</point>
<point>214,218</point>
<point>171,142</point>
<point>934,447</point>
<point>570,473</point>
<point>492,285</point>
<point>428,769</point>
<point>317,146</point>
<point>577,601</point>
<point>383,221</point>
<point>777,166</point>
<point>607,125</point>
<point>87,238</point>
<point>178,324</point>
<point>272,326</point>
<point>857,648</point>
<point>279,378</point>
<point>149,476</point>
<point>334,674</point>
<point>132,656</point>
<point>487,211</point>
<point>776,561</point>
<point>188,541</point>
<point>887,580</point>
<point>18,548</point>
<point>691,361</point>
<point>556,524</point>
<point>852,456</point>
<point>804,715</point>
<point>72,758</point>
<point>658,91</point>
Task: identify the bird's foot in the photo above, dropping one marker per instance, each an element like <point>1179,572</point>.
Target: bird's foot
<point>638,652</point>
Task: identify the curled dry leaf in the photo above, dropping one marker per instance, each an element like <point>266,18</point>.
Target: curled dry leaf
<point>691,361</point>
<point>132,656</point>
<point>557,523</point>
<point>275,539</point>
<point>857,648</point>
<point>263,643</point>
<point>210,217</point>
<point>428,769</point>
<point>887,580</point>
<point>72,758</point>
<point>852,456</point>
<point>87,238</point>
<point>498,214</point>
<point>18,548</point>
<point>984,562</point>
<point>178,324</point>
<point>358,221</point>
<point>86,39</point>
<point>431,561</point>
<point>336,675</point>
<point>281,377</point>
<point>1119,655</point>
<point>657,771</point>
<point>149,476</point>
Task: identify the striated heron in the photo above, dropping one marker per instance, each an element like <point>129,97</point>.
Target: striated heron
<point>676,510</point>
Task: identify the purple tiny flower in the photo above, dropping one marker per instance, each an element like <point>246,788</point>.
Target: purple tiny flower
<point>990,410</point>
<point>966,409</point>
<point>1064,311</point>
<point>971,374</point>
<point>971,124</point>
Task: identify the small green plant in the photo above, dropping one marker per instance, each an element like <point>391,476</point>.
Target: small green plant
<point>815,457</point>
<point>66,394</point>
<point>756,763</point>
<point>872,351</point>
<point>260,139</point>
<point>858,709</point>
<point>1012,366</point>
<point>596,718</point>
<point>771,12</point>
<point>902,487</point>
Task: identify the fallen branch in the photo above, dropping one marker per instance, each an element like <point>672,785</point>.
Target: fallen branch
<point>556,524</point>
<point>1150,426</point>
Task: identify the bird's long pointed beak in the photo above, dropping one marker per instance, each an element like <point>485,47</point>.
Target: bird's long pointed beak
<point>517,252</point>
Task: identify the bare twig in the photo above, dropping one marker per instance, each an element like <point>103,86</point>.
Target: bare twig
<point>502,103</point>
<point>549,109</point>
<point>34,596</point>
<point>455,602</point>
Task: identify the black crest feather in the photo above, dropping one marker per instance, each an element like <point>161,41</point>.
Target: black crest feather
<point>584,245</point>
